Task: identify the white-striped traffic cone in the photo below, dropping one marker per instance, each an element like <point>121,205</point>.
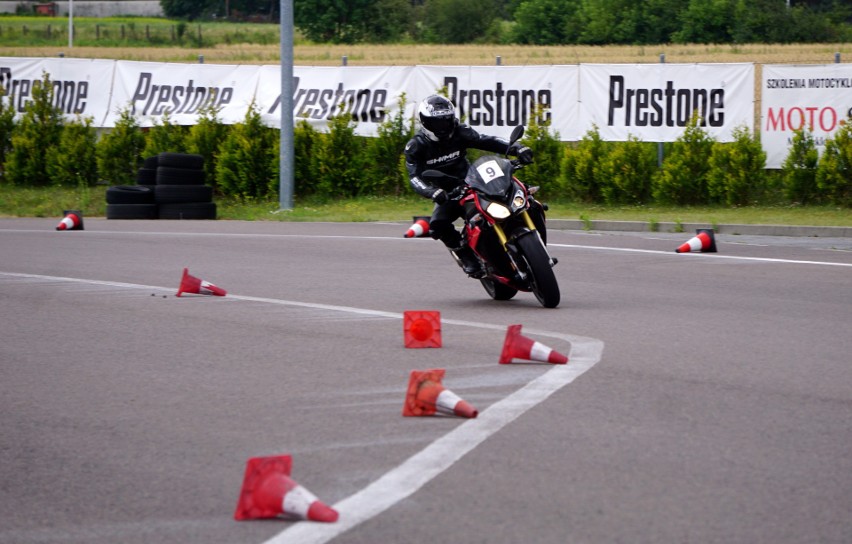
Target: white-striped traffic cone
<point>427,396</point>
<point>269,492</point>
<point>521,347</point>
<point>419,228</point>
<point>73,220</point>
<point>704,241</point>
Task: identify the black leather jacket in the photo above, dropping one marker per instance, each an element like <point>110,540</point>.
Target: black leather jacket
<point>448,156</point>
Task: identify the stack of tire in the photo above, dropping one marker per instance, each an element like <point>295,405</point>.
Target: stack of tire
<point>168,186</point>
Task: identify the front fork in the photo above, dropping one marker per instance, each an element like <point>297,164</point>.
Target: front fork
<point>504,241</point>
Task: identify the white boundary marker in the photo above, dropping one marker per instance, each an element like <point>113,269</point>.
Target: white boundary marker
<point>404,480</point>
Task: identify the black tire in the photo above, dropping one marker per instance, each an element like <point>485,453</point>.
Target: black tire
<point>146,176</point>
<point>168,175</point>
<point>131,211</point>
<point>151,162</point>
<point>178,194</point>
<point>544,284</point>
<point>188,210</point>
<point>497,290</point>
<point>129,194</point>
<point>181,160</point>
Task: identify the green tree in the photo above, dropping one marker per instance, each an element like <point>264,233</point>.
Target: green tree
<point>165,136</point>
<point>204,138</point>
<point>338,159</point>
<point>581,167</point>
<point>834,172</point>
<point>547,22</point>
<point>458,21</point>
<point>73,161</point>
<point>383,152</point>
<point>627,171</point>
<point>38,130</point>
<point>706,21</point>
<point>7,125</point>
<point>119,151</point>
<point>737,175</point>
<point>331,21</point>
<point>683,177</point>
<point>187,9</point>
<point>547,154</point>
<point>799,169</point>
<point>245,167</point>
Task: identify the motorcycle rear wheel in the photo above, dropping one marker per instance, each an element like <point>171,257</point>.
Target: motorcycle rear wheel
<point>544,284</point>
<point>497,290</point>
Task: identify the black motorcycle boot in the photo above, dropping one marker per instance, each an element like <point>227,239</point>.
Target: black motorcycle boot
<point>469,261</point>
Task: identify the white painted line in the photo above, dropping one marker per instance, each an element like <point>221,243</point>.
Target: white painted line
<point>404,480</point>
<point>441,454</point>
<point>698,254</point>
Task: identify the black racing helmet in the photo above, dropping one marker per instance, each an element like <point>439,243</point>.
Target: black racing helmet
<point>437,117</point>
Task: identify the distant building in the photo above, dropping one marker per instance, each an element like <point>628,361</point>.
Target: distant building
<point>91,8</point>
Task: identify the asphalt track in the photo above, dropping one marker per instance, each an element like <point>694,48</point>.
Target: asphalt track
<point>708,397</point>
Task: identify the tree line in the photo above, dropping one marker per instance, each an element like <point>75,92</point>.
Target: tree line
<point>546,22</point>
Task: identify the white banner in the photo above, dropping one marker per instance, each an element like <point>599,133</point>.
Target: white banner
<point>817,98</point>
<point>181,91</point>
<point>80,86</point>
<point>654,102</point>
<point>369,94</point>
<point>495,99</point>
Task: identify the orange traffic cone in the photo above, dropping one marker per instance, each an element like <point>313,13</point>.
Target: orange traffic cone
<point>193,285</point>
<point>704,241</point>
<point>269,492</point>
<point>426,396</point>
<point>422,329</point>
<point>517,345</point>
<point>419,228</point>
<point>73,220</point>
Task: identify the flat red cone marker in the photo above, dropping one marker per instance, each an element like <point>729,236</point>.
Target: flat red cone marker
<point>269,492</point>
<point>73,220</point>
<point>518,346</point>
<point>427,396</point>
<point>419,228</point>
<point>193,285</point>
<point>704,241</point>
<point>422,329</point>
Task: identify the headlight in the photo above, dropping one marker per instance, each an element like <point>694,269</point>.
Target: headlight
<point>497,211</point>
<point>518,202</point>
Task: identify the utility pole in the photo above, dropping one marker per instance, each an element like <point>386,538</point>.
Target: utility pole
<point>286,160</point>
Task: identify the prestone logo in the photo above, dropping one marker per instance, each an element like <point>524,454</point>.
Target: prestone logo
<point>499,107</point>
<point>669,106</point>
<point>68,96</point>
<point>368,105</point>
<point>174,99</point>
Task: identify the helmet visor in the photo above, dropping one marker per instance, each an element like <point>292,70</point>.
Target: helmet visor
<point>442,125</point>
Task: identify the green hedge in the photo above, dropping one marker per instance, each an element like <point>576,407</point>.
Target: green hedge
<point>242,160</point>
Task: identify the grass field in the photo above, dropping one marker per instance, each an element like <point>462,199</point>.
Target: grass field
<point>449,55</point>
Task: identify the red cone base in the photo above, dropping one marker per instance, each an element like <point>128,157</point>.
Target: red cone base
<point>191,284</point>
<point>419,228</point>
<point>704,241</point>
<point>426,396</point>
<point>269,492</point>
<point>521,347</point>
<point>422,329</point>
<point>73,220</point>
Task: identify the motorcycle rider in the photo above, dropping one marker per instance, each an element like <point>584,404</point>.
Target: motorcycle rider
<point>441,144</point>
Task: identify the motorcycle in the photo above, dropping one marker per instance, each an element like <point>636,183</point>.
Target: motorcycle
<point>505,227</point>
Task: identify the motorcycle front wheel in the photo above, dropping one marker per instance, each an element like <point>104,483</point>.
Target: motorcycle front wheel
<point>543,280</point>
<point>497,290</point>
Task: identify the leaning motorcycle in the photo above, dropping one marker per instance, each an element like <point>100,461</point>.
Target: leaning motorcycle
<point>505,227</point>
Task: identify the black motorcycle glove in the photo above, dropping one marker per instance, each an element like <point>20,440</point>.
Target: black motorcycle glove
<point>525,155</point>
<point>440,197</point>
